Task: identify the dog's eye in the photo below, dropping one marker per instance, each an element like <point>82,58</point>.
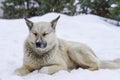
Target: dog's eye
<point>35,34</point>
<point>44,34</point>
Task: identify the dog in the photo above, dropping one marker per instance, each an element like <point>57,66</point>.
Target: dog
<point>44,52</point>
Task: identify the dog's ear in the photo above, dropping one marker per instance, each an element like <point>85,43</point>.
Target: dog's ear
<point>54,22</point>
<point>29,23</point>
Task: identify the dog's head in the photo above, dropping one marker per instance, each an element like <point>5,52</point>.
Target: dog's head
<point>42,34</point>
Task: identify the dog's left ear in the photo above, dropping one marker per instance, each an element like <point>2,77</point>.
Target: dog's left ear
<point>54,22</point>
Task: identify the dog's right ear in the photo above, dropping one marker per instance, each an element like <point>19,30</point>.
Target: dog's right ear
<point>29,23</point>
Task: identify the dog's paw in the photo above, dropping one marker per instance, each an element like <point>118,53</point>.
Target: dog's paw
<point>44,70</point>
<point>17,72</point>
<point>21,72</point>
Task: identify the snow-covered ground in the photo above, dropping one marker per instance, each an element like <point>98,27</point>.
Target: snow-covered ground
<point>102,37</point>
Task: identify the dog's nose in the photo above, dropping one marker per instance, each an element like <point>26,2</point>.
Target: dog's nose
<point>41,44</point>
<point>38,44</point>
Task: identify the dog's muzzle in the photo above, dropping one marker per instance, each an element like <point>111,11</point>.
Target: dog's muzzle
<point>40,44</point>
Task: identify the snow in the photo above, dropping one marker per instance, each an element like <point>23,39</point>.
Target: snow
<point>114,5</point>
<point>102,37</point>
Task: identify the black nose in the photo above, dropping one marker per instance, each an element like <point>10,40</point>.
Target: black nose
<point>41,44</point>
<point>38,44</point>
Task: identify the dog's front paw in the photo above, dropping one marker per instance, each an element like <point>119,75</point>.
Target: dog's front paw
<point>21,72</point>
<point>44,70</point>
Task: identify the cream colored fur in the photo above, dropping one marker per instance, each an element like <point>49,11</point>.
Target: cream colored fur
<point>58,54</point>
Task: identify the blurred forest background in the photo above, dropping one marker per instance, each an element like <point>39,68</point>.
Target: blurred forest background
<point>29,8</point>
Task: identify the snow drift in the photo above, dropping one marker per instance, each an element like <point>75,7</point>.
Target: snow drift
<point>102,37</point>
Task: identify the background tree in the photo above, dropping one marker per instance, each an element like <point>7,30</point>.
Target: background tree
<point>29,8</point>
<point>84,6</point>
<point>115,12</point>
<point>19,8</point>
<point>97,7</point>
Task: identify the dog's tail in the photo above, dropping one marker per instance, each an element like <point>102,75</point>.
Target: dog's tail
<point>113,64</point>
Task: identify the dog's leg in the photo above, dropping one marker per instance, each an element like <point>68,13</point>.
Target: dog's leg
<point>22,71</point>
<point>85,59</point>
<point>52,69</point>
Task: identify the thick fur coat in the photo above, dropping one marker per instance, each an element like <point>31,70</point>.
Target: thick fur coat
<point>44,52</point>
